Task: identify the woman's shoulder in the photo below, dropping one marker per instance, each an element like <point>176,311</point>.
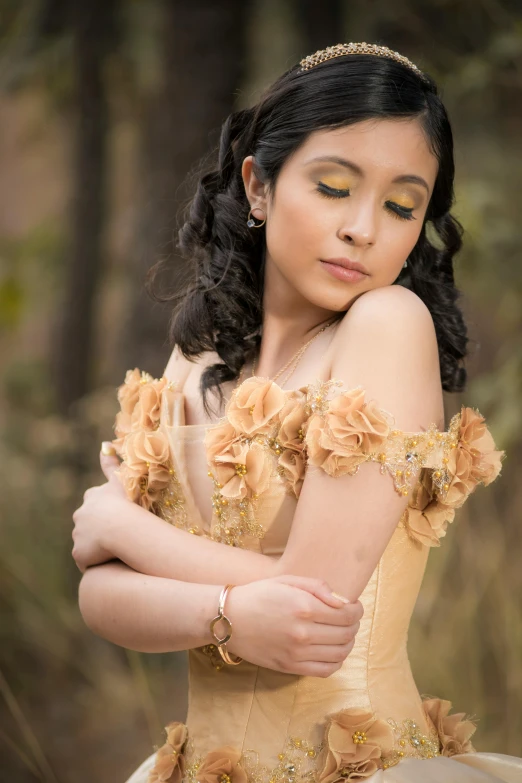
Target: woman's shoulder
<point>394,308</point>
<point>387,344</point>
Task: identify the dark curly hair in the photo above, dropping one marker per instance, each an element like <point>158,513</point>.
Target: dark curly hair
<point>221,309</point>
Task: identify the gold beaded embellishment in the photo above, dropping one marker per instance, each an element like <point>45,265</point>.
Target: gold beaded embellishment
<point>171,506</point>
<point>341,49</point>
<point>402,454</point>
<point>297,762</point>
<point>411,743</point>
<point>234,518</point>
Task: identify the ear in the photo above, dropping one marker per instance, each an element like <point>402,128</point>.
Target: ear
<point>255,189</point>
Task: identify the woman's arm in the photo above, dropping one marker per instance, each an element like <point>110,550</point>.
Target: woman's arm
<point>387,345</point>
<point>108,525</point>
<point>146,613</point>
<point>311,631</point>
<point>152,545</point>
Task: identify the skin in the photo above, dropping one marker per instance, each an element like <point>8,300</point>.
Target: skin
<point>302,225</point>
<point>387,323</point>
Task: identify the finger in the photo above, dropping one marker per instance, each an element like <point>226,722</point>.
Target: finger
<point>312,668</point>
<point>109,463</point>
<point>326,653</point>
<point>348,614</point>
<point>320,633</point>
<point>318,587</point>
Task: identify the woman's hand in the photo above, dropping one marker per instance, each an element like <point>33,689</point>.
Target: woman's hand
<point>292,624</point>
<point>101,505</point>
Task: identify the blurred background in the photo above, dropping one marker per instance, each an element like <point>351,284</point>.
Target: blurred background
<point>106,106</point>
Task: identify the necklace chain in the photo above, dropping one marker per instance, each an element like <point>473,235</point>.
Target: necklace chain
<point>295,359</point>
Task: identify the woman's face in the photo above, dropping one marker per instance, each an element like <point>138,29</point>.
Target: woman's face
<point>358,193</point>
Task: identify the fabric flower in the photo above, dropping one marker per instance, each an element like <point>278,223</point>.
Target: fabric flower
<point>254,405</point>
<point>454,731</point>
<point>144,471</point>
<point>293,417</point>
<point>128,392</point>
<point>355,743</point>
<point>169,766</point>
<point>221,765</point>
<point>128,395</point>
<point>427,518</point>
<point>474,460</point>
<point>342,438</point>
<point>140,402</point>
<point>218,439</point>
<point>242,469</point>
<point>292,468</point>
<point>147,411</point>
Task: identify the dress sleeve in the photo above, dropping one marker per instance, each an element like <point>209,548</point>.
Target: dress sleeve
<point>439,469</point>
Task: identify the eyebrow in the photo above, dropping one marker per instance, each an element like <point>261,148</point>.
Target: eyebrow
<point>357,169</point>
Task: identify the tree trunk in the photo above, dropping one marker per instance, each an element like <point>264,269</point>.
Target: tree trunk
<point>203,59</point>
<point>90,23</point>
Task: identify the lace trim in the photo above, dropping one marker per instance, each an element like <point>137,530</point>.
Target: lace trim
<point>403,453</point>
<point>297,763</point>
<point>411,743</point>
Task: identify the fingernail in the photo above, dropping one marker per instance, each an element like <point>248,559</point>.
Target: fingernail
<point>341,598</point>
<point>108,449</point>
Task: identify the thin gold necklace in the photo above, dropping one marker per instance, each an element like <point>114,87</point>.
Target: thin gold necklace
<point>296,358</point>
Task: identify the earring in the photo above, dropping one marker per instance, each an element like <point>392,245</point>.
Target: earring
<point>405,265</point>
<point>251,222</point>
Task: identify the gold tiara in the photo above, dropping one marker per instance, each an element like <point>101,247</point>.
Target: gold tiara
<point>356,48</point>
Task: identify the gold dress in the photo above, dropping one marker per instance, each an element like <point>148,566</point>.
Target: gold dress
<point>238,481</point>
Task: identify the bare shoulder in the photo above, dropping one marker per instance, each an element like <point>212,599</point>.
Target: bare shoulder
<point>393,316</point>
<point>179,368</point>
<point>394,305</point>
<point>388,344</point>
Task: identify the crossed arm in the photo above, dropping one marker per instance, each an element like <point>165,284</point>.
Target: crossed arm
<point>341,525</point>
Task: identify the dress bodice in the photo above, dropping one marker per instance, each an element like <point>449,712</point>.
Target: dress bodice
<point>238,481</point>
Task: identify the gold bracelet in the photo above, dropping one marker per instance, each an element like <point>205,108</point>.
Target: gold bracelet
<point>221,643</point>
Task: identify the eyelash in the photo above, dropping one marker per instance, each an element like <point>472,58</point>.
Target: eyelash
<point>400,213</point>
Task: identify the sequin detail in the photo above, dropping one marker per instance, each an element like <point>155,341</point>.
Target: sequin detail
<point>401,454</point>
<point>296,763</point>
<point>300,760</point>
<point>410,742</point>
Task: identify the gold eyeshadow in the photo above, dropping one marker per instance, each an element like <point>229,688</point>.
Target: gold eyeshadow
<point>336,181</point>
<point>403,201</point>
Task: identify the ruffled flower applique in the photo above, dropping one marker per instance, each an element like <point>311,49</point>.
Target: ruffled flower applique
<point>261,435</point>
<point>146,469</point>
<point>356,742</point>
<point>439,469</point>
<point>345,434</point>
<point>469,459</point>
<point>221,766</point>
<point>454,731</point>
<point>169,766</point>
<point>269,433</point>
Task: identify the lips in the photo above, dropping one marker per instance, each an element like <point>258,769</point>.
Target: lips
<point>346,263</point>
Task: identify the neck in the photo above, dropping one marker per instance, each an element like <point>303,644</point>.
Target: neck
<point>289,321</point>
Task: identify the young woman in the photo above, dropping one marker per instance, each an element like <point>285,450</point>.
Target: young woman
<point>297,443</point>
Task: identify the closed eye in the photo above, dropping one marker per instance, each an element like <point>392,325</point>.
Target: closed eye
<point>329,192</point>
<point>396,210</point>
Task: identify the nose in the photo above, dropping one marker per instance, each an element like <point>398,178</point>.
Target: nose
<point>359,227</point>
